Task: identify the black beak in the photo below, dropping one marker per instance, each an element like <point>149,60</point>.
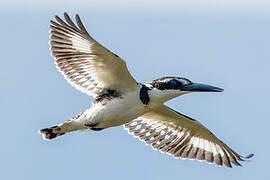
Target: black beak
<point>197,87</point>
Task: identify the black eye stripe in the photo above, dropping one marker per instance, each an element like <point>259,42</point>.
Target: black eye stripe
<point>174,84</point>
<point>169,83</point>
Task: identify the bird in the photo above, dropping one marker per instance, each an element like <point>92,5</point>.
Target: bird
<point>120,100</point>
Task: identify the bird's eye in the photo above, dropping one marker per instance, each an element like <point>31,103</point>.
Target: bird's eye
<point>174,84</point>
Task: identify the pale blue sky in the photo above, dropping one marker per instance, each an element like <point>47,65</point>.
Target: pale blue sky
<point>226,46</point>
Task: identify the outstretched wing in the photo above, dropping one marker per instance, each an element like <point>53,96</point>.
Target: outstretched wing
<point>85,63</point>
<point>182,137</point>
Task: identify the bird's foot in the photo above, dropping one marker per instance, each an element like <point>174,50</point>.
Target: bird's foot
<point>92,126</point>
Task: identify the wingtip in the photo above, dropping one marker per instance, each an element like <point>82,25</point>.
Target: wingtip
<point>78,19</point>
<point>57,17</point>
<point>249,156</point>
<point>246,158</point>
<point>66,16</point>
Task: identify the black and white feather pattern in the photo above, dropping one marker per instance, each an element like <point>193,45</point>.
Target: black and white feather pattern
<point>85,63</point>
<point>171,132</point>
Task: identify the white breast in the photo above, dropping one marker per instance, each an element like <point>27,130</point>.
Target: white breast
<point>117,111</point>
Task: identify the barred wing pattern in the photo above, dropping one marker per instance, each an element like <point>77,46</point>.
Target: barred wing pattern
<point>86,64</point>
<point>182,137</point>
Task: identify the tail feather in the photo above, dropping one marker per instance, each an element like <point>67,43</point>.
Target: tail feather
<point>71,125</point>
<point>51,133</point>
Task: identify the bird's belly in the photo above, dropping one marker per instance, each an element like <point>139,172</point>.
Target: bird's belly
<point>121,116</point>
<point>117,112</point>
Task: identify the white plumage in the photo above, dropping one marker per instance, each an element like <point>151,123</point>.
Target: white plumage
<point>120,100</point>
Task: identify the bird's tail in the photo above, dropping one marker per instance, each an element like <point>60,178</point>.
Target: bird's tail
<point>71,125</point>
<point>52,132</point>
<point>59,130</point>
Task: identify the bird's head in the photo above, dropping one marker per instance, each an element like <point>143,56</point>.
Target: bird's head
<point>169,87</point>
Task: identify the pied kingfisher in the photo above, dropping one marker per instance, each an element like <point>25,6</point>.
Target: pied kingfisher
<point>120,100</point>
